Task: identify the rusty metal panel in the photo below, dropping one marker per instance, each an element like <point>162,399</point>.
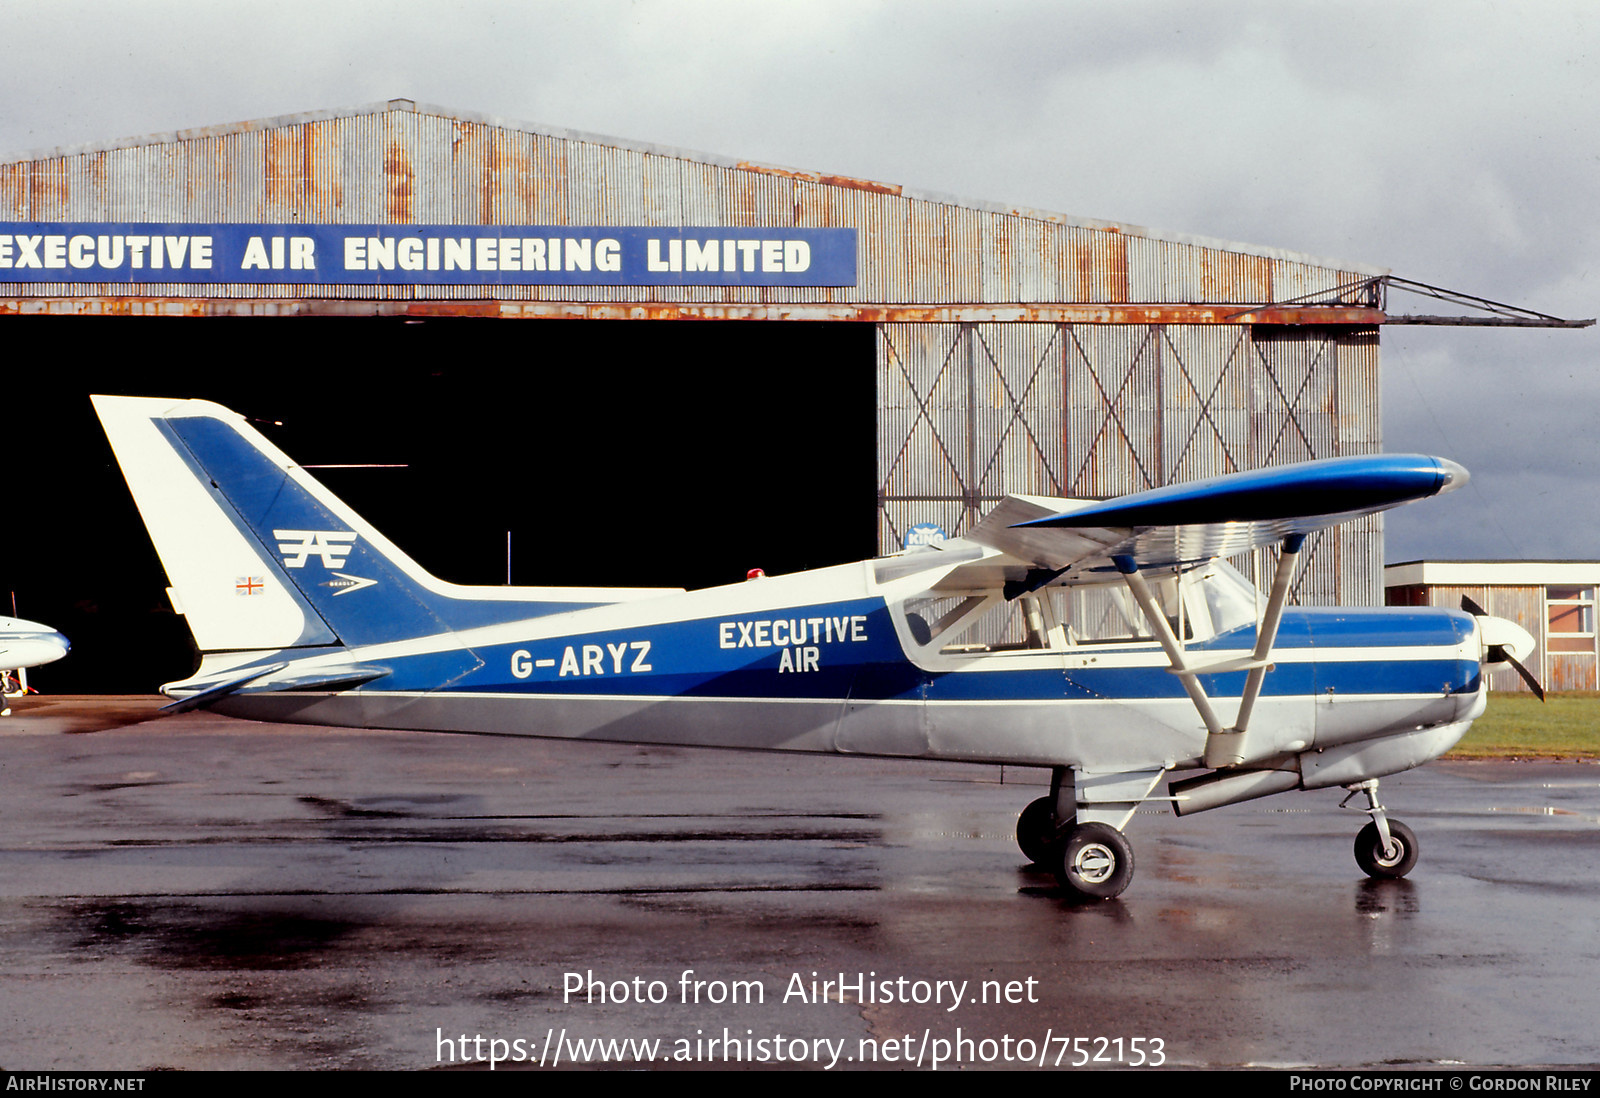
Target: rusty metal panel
<point>942,238</point>
<point>1360,392</point>
<point>1006,396</point>
<point>1208,391</point>
<point>14,190</point>
<point>890,247</point>
<point>1295,279</point>
<point>398,164</point>
<point>1159,270</point>
<point>1526,607</point>
<point>1234,277</point>
<point>970,412</point>
<point>1294,398</point>
<point>702,195</point>
<point>1570,671</point>
<point>1016,410</point>
<point>1096,266</point>
<point>1035,275</point>
<point>922,413</point>
<point>812,208</point>
<point>996,258</point>
<point>547,185</point>
<point>1114,405</point>
<point>47,190</point>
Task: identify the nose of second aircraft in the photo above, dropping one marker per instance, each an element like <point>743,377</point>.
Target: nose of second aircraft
<point>29,644</point>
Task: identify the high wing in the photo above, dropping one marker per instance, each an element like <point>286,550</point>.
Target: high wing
<point>1040,539</point>
<point>1032,542</point>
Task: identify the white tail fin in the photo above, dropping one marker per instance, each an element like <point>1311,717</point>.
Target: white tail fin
<point>262,557</point>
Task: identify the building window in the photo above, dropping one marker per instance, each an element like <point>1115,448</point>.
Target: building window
<point>1571,619</point>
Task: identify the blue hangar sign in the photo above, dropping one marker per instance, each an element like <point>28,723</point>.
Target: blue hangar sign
<point>443,255</point>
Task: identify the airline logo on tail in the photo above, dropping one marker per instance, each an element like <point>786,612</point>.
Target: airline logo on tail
<point>347,583</point>
<point>297,545</point>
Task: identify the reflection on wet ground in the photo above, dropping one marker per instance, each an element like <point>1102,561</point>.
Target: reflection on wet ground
<point>196,892</point>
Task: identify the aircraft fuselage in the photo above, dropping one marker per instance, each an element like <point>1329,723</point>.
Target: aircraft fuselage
<point>758,666</point>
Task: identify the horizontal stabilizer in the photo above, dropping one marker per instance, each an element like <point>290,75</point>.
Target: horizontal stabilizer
<point>220,690</point>
<point>324,678</point>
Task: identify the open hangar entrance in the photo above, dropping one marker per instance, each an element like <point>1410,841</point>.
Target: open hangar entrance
<point>740,365</point>
<point>608,453</point>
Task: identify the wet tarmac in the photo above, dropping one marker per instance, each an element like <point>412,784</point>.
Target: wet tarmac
<point>196,892</point>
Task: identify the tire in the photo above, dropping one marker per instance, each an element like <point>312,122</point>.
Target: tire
<point>1036,831</point>
<point>1095,862</point>
<point>1370,855</point>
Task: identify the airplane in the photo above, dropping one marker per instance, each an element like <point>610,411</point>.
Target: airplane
<point>25,644</point>
<point>1107,641</point>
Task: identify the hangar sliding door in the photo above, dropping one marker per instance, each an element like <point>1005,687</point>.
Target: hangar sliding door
<point>968,413</point>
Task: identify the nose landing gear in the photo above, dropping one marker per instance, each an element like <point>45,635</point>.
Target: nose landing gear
<point>1385,848</point>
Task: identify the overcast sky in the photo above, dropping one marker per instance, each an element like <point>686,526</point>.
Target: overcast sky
<point>1454,143</point>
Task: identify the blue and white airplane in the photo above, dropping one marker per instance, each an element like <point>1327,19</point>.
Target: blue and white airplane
<point>1106,641</point>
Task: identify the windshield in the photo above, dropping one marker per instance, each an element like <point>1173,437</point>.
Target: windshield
<point>1231,600</point>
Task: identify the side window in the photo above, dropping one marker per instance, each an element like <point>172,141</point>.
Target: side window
<point>1204,602</point>
<point>1232,602</point>
<point>1106,613</point>
<point>981,624</point>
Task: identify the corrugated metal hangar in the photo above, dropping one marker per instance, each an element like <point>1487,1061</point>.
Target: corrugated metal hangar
<point>1016,350</point>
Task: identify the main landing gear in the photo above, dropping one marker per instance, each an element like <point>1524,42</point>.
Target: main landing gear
<point>1091,861</point>
<point>1094,861</point>
<point>1385,848</point>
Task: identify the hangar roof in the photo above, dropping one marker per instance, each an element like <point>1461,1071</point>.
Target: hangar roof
<point>302,118</point>
<point>922,256</point>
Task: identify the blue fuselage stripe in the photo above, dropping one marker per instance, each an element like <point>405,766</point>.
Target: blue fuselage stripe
<point>849,650</point>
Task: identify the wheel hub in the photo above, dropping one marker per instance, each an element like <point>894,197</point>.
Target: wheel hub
<point>1095,863</point>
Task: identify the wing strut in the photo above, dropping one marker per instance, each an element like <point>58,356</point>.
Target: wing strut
<point>1228,749</point>
<point>1169,643</point>
<point>1224,747</point>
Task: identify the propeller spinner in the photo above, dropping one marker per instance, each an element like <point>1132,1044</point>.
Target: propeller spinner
<point>1504,642</point>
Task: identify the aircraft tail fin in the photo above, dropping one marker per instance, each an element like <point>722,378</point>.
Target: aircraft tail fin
<point>263,557</point>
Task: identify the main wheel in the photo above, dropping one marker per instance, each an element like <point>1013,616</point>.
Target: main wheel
<point>1036,830</point>
<point>1095,862</point>
<point>1395,862</point>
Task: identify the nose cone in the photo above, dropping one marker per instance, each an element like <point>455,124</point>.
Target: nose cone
<point>1502,638</point>
<point>1451,475</point>
<point>29,644</point>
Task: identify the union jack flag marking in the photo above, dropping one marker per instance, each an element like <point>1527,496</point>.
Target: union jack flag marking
<point>250,585</point>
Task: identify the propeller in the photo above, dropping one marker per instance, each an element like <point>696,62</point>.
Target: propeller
<point>1501,652</point>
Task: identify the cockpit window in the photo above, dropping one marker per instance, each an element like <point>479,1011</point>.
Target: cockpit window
<point>1205,601</point>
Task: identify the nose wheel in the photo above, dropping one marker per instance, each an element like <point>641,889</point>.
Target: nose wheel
<point>1386,862</point>
<point>1385,849</point>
